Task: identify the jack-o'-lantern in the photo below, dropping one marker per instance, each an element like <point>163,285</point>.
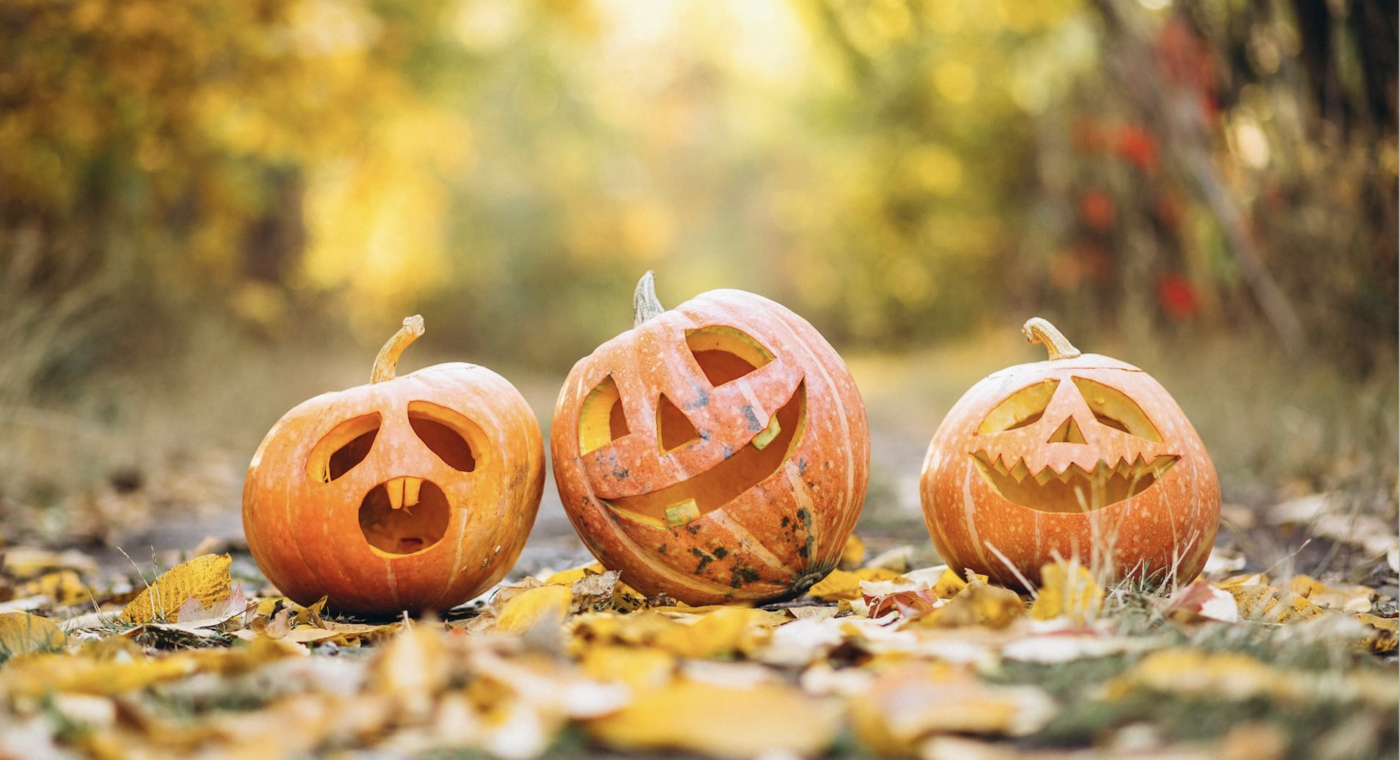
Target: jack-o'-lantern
<point>717,451</point>
<point>1080,455</point>
<point>411,493</point>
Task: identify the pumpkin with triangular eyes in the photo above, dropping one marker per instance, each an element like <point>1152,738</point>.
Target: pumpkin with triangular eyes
<point>411,493</point>
<point>716,452</point>
<point>1077,456</point>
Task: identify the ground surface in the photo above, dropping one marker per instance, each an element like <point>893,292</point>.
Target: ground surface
<point>1287,649</point>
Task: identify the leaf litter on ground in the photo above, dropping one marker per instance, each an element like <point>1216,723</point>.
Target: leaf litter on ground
<point>877,660</point>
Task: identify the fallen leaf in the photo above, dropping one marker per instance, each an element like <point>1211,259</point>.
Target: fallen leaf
<point>203,578</point>
<point>1067,589</point>
<point>1201,601</point>
<point>535,607</point>
<point>904,706</point>
<point>64,587</point>
<point>950,583</point>
<point>724,631</point>
<point>1353,599</point>
<point>1270,605</point>
<point>1386,631</point>
<point>978,604</point>
<point>722,721</point>
<point>840,584</point>
<point>852,554</point>
<point>23,633</point>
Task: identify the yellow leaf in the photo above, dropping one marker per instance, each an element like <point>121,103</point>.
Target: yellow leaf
<point>722,721</point>
<point>853,554</point>
<point>204,578</point>
<point>22,633</point>
<point>1384,634</point>
<point>64,587</point>
<point>1354,599</point>
<point>641,668</point>
<point>528,608</point>
<point>950,584</point>
<point>1067,589</point>
<point>725,631</point>
<point>978,604</point>
<point>1270,605</point>
<point>846,585</point>
<point>573,575</point>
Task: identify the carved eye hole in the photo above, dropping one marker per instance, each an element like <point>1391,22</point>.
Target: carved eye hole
<point>673,428</point>
<point>601,419</point>
<point>1113,408</point>
<point>1021,409</point>
<point>446,433</point>
<point>344,447</point>
<point>725,354</point>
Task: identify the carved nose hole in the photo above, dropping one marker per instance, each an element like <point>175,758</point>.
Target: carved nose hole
<point>1067,433</point>
<point>673,428</point>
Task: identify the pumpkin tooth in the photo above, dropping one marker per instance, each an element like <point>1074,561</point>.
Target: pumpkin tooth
<point>1020,471</point>
<point>680,514</point>
<point>395,489</point>
<point>410,491</point>
<point>1045,476</point>
<point>761,440</point>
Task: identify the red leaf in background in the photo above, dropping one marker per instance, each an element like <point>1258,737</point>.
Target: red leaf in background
<point>1137,146</point>
<point>1097,209</point>
<point>1189,63</point>
<point>1177,297</point>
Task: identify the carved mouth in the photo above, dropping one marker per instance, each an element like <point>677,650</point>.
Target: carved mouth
<point>404,515</point>
<point>1074,489</point>
<point>758,460</point>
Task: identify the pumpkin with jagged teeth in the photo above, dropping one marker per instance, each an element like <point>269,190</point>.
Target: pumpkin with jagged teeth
<point>1081,455</point>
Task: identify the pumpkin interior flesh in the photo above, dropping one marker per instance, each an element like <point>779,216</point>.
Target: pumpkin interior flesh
<point>414,525</point>
<point>724,482</point>
<point>1074,490</point>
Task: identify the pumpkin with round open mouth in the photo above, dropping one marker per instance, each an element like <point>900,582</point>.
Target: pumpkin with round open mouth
<point>411,493</point>
<point>1080,455</point>
<point>717,451</point>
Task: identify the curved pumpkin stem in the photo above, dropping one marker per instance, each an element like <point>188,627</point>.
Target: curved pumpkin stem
<point>1039,330</point>
<point>645,304</point>
<point>386,364</point>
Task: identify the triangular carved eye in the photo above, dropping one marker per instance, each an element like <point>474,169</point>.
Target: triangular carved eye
<point>1021,409</point>
<point>673,428</point>
<point>1113,408</point>
<point>601,419</point>
<point>344,447</point>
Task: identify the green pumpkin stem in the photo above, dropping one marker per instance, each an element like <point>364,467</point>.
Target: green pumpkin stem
<point>386,364</point>
<point>1038,330</point>
<point>645,305</point>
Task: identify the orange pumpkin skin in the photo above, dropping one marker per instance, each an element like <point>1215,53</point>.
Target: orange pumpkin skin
<point>770,514</point>
<point>1140,521</point>
<point>307,535</point>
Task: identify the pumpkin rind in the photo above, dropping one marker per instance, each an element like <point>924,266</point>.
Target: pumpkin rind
<point>779,534</point>
<point>1163,533</point>
<point>306,536</point>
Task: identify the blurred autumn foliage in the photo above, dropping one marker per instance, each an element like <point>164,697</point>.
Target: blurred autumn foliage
<point>899,171</point>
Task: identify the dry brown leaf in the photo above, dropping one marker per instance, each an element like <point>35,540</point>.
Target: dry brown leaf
<point>722,721</point>
<point>1067,589</point>
<point>23,633</point>
<point>203,578</point>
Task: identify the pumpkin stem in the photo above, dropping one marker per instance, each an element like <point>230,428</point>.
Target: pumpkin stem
<point>645,305</point>
<point>1038,330</point>
<point>386,364</point>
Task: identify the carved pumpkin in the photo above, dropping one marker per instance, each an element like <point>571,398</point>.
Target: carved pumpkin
<point>1080,455</point>
<point>410,493</point>
<point>717,451</point>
